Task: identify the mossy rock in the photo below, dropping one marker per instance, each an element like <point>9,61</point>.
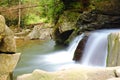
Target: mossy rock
<point>66,26</point>
<point>67,21</point>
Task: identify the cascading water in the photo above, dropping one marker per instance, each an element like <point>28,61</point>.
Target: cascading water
<point>95,51</point>
<point>64,56</point>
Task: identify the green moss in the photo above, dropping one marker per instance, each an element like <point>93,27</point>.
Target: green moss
<point>66,27</point>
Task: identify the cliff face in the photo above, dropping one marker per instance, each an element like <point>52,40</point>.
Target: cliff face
<point>86,15</point>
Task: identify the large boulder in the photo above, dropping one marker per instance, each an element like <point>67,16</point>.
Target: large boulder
<point>8,63</point>
<point>66,26</point>
<point>67,21</point>
<point>5,76</point>
<point>42,32</point>
<point>113,58</point>
<point>76,73</point>
<point>7,41</point>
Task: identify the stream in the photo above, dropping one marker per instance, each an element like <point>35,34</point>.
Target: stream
<point>48,56</point>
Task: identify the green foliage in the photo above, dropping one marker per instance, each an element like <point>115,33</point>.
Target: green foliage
<point>50,9</point>
<point>38,11</point>
<point>46,11</point>
<point>76,5</point>
<point>5,3</point>
<point>32,18</point>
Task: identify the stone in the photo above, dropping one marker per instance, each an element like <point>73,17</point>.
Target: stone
<point>117,72</point>
<point>76,73</point>
<point>113,58</point>
<point>80,48</point>
<point>67,21</point>
<point>4,76</point>
<point>41,32</point>
<point>112,6</point>
<point>8,62</point>
<point>66,29</point>
<point>114,79</point>
<point>7,41</point>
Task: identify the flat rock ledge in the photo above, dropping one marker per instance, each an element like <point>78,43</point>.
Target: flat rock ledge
<point>76,73</point>
<point>8,63</point>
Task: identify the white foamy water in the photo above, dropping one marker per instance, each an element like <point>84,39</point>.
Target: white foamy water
<point>64,56</point>
<point>95,51</point>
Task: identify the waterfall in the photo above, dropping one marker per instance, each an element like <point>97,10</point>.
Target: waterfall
<point>64,56</point>
<point>95,51</point>
<point>74,43</point>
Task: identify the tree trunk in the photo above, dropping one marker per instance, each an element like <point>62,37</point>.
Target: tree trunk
<point>19,14</point>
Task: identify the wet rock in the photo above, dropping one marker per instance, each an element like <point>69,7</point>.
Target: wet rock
<point>7,41</point>
<point>80,48</point>
<point>41,32</point>
<point>113,58</point>
<point>76,73</point>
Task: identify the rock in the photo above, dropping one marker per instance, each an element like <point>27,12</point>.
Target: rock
<point>41,32</point>
<point>113,58</point>
<point>8,62</point>
<point>76,73</point>
<point>80,48</point>
<point>65,26</point>
<point>67,21</point>
<point>117,72</point>
<point>23,33</point>
<point>114,79</point>
<point>7,41</point>
<point>112,6</point>
<point>5,76</point>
